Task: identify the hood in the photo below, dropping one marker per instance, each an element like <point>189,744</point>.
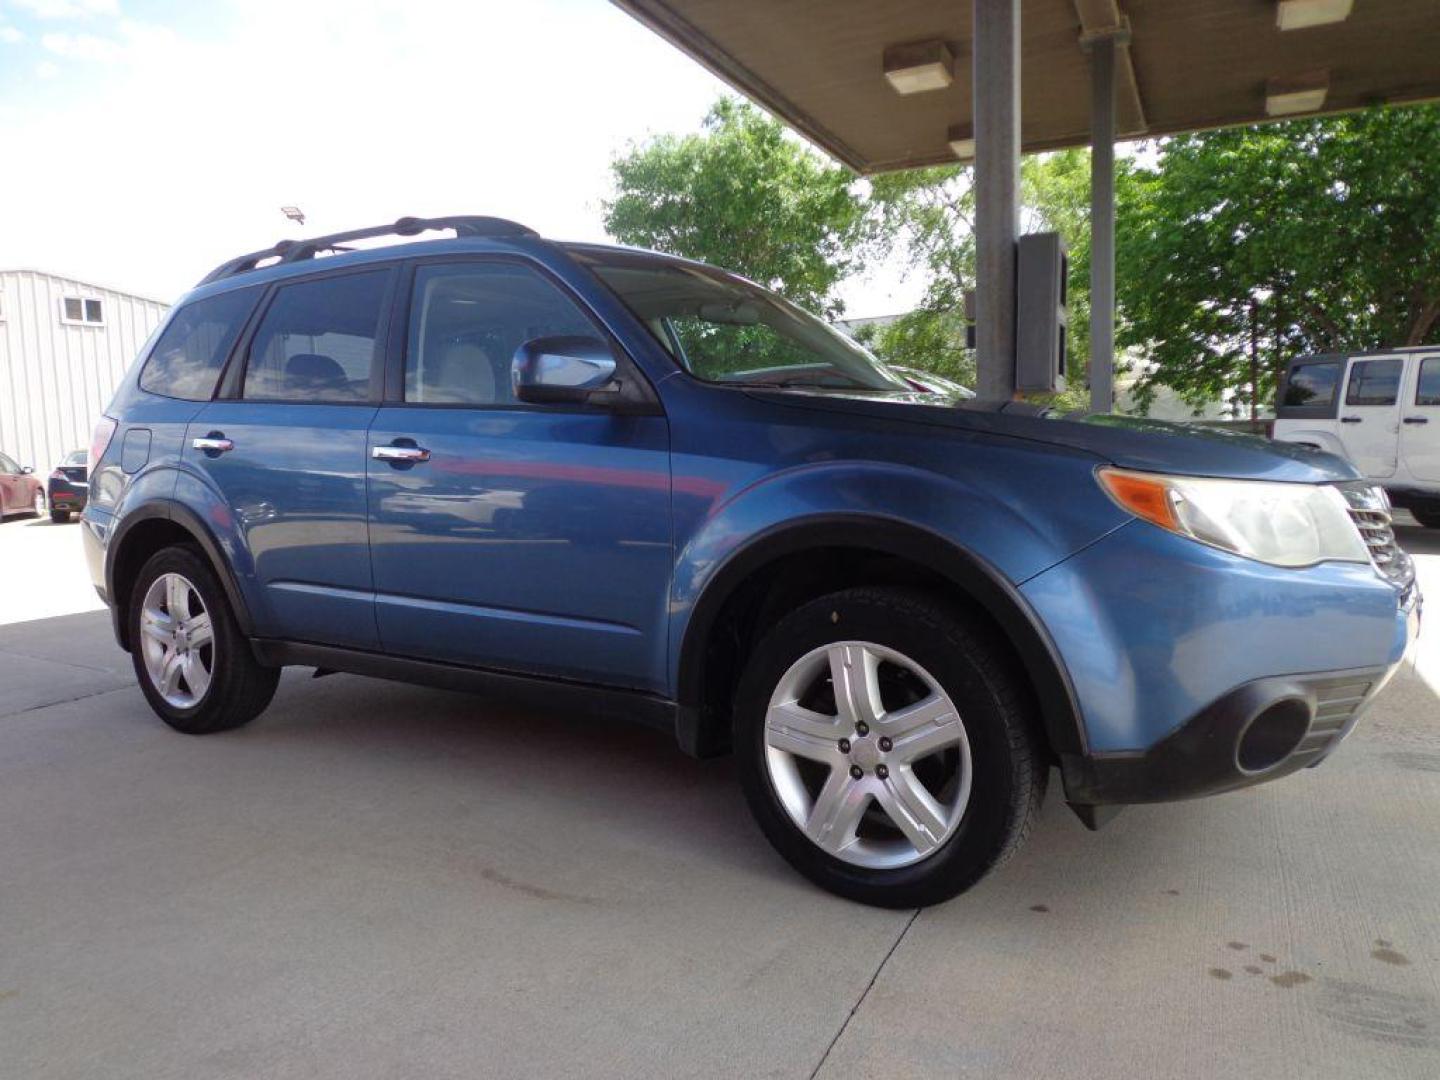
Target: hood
<point>1129,442</point>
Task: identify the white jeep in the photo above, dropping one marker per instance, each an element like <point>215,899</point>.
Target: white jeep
<point>1380,410</point>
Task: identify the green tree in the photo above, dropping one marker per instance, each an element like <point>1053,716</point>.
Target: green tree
<point>1240,249</point>
<point>931,213</point>
<point>745,195</point>
<point>928,339</point>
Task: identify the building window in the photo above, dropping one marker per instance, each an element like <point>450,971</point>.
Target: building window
<point>76,309</point>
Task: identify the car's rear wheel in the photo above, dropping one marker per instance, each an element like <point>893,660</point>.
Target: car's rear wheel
<point>194,665</point>
<point>886,747</point>
<point>59,517</point>
<point>1429,516</point>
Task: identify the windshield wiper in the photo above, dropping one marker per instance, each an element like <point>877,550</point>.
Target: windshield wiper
<point>788,384</point>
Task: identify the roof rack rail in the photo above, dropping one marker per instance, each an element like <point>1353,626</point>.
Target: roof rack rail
<point>288,251</point>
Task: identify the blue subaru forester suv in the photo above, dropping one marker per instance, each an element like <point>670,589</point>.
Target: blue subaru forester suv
<point>634,485</point>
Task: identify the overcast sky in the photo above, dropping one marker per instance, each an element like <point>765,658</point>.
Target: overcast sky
<point>145,141</point>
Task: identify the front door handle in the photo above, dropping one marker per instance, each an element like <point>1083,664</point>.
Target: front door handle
<point>1351,419</point>
<point>407,455</point>
<point>1417,420</point>
<point>214,443</point>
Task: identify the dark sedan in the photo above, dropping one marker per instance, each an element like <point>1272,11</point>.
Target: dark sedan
<point>69,487</point>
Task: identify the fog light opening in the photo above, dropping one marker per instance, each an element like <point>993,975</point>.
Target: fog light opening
<point>1273,735</point>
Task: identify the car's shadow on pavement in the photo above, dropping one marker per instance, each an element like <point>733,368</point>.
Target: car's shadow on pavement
<point>583,774</point>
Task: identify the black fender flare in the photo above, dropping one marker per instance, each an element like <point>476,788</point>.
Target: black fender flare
<point>176,513</point>
<point>966,571</point>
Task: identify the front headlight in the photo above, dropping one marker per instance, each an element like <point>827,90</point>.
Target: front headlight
<point>1280,524</point>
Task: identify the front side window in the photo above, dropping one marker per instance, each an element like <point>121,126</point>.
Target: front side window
<point>316,342</point>
<point>1312,385</point>
<point>1427,392</point>
<point>467,320</point>
<point>8,466</point>
<point>724,329</point>
<point>1374,382</point>
<point>187,358</point>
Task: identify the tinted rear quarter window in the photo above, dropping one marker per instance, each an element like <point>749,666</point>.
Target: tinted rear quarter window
<point>186,360</point>
<point>317,340</point>
<point>1312,385</point>
<point>1374,382</point>
<point>1428,391</point>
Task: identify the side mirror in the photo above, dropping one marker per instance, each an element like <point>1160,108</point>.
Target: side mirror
<point>26,470</point>
<point>562,370</point>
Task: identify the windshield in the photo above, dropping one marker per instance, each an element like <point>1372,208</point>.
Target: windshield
<point>75,457</point>
<point>724,329</point>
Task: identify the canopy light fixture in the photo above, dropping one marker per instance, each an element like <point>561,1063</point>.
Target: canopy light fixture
<point>294,213</point>
<point>1297,94</point>
<point>919,66</point>
<point>1300,14</point>
<point>962,141</point>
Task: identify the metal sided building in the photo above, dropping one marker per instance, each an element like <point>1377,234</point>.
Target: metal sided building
<point>64,345</point>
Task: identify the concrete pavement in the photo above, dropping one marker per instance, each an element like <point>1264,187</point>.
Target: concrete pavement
<point>374,880</point>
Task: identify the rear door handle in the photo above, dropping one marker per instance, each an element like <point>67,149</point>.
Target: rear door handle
<point>214,443</point>
<point>401,454</point>
<point>1351,419</point>
<point>1417,420</point>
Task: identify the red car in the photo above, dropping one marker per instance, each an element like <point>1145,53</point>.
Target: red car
<point>21,491</point>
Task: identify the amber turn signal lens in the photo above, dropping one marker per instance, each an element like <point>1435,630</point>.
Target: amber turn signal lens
<point>1144,496</point>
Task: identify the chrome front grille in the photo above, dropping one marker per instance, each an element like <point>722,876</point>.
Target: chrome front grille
<point>1370,510</point>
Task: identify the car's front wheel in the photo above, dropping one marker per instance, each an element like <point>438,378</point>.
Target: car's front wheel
<point>1429,516</point>
<point>886,747</point>
<point>194,665</point>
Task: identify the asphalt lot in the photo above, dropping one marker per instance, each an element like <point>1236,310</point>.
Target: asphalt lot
<point>374,880</point>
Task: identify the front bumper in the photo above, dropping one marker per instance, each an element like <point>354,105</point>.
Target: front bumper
<point>1260,731</point>
<point>1176,653</point>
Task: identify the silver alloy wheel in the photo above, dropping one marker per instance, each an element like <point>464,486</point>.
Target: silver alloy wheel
<point>39,505</point>
<point>874,786</point>
<point>177,641</point>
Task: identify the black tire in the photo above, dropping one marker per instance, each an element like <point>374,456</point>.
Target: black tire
<point>59,517</point>
<point>240,687</point>
<point>1009,769</point>
<point>1429,516</point>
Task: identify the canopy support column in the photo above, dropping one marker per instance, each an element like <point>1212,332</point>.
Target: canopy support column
<point>996,97</point>
<point>1102,222</point>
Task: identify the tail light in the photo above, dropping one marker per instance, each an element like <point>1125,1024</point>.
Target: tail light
<point>99,443</point>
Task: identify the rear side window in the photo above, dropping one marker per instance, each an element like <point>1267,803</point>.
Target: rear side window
<point>317,340</point>
<point>467,320</point>
<point>1312,385</point>
<point>1374,382</point>
<point>186,360</point>
<point>1428,391</point>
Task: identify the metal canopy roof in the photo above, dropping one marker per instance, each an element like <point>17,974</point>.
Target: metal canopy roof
<point>1191,64</point>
